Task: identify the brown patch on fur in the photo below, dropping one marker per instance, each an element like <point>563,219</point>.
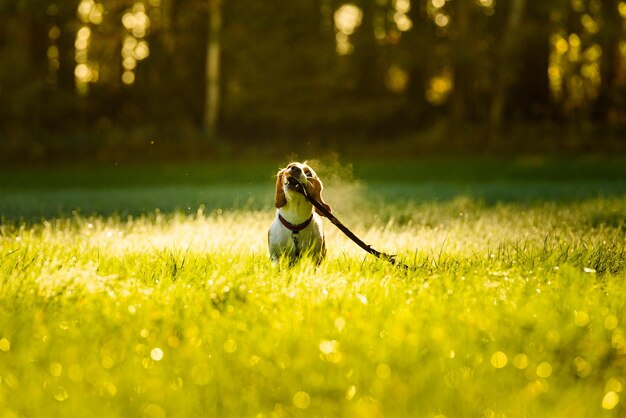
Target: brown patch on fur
<point>317,187</point>
<point>280,199</point>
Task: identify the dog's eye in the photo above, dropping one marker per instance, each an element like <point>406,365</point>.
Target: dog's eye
<point>307,172</point>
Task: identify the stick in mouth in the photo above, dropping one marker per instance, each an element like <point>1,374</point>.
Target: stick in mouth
<point>368,248</point>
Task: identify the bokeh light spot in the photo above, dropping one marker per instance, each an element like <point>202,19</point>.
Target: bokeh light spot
<point>383,371</point>
<point>520,361</point>
<point>5,345</point>
<point>499,360</point>
<point>544,370</point>
<point>156,354</point>
<point>60,394</point>
<point>610,400</point>
<point>302,400</point>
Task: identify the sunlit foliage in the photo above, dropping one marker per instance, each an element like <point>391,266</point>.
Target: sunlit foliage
<point>134,48</point>
<point>308,65</point>
<point>347,19</point>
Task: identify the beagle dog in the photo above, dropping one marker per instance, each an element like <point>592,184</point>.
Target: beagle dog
<point>297,229</point>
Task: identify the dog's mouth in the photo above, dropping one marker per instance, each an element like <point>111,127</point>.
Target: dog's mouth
<point>293,183</point>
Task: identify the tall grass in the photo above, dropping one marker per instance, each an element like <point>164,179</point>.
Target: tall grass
<point>512,309</point>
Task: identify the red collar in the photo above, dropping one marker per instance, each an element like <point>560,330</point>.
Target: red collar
<point>295,228</point>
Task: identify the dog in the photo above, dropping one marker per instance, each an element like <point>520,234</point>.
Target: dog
<point>297,229</point>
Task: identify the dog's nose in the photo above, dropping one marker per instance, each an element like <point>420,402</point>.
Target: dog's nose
<point>295,170</point>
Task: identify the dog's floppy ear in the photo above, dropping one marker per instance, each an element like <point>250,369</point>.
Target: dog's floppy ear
<point>316,191</point>
<point>280,199</point>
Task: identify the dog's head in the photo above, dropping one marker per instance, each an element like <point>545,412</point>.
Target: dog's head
<point>286,187</point>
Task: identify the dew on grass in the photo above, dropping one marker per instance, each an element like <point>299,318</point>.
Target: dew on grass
<point>147,363</point>
<point>383,371</point>
<point>582,366</point>
<point>340,323</point>
<point>581,319</point>
<point>176,384</point>
<point>427,329</point>
<point>618,339</point>
<point>75,372</point>
<point>350,392</point>
<point>107,361</point>
<point>60,394</point>
<point>499,360</point>
<point>254,360</point>
<point>610,400</point>
<point>154,411</point>
<point>610,322</point>
<point>438,334</point>
<point>110,388</point>
<point>5,345</point>
<point>56,369</point>
<point>230,346</point>
<point>553,338</point>
<point>301,400</point>
<point>520,361</point>
<point>329,346</point>
<point>156,354</point>
<point>173,341</point>
<point>615,384</point>
<point>544,370</point>
<point>330,350</point>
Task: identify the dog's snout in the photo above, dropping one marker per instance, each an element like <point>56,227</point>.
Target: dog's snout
<point>295,170</point>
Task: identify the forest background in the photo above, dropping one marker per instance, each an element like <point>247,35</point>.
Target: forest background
<point>129,79</point>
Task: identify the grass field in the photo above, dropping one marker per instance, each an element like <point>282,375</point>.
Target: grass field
<point>148,292</point>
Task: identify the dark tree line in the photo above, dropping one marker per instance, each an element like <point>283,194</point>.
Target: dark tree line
<point>84,73</point>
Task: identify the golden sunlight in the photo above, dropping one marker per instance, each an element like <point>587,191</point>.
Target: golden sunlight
<point>82,72</point>
<point>402,21</point>
<point>442,20</point>
<point>610,400</point>
<point>90,12</point>
<point>397,79</point>
<point>136,20</point>
<point>402,6</point>
<point>347,18</point>
<point>438,4</point>
<point>499,360</point>
<point>590,25</point>
<point>439,88</point>
<point>85,72</point>
<point>574,71</point>
<point>53,54</point>
<point>134,47</point>
<point>622,9</point>
<point>128,77</point>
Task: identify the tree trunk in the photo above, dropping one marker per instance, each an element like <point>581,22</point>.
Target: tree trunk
<point>420,43</point>
<point>212,79</point>
<point>508,64</point>
<point>610,61</point>
<point>462,62</point>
